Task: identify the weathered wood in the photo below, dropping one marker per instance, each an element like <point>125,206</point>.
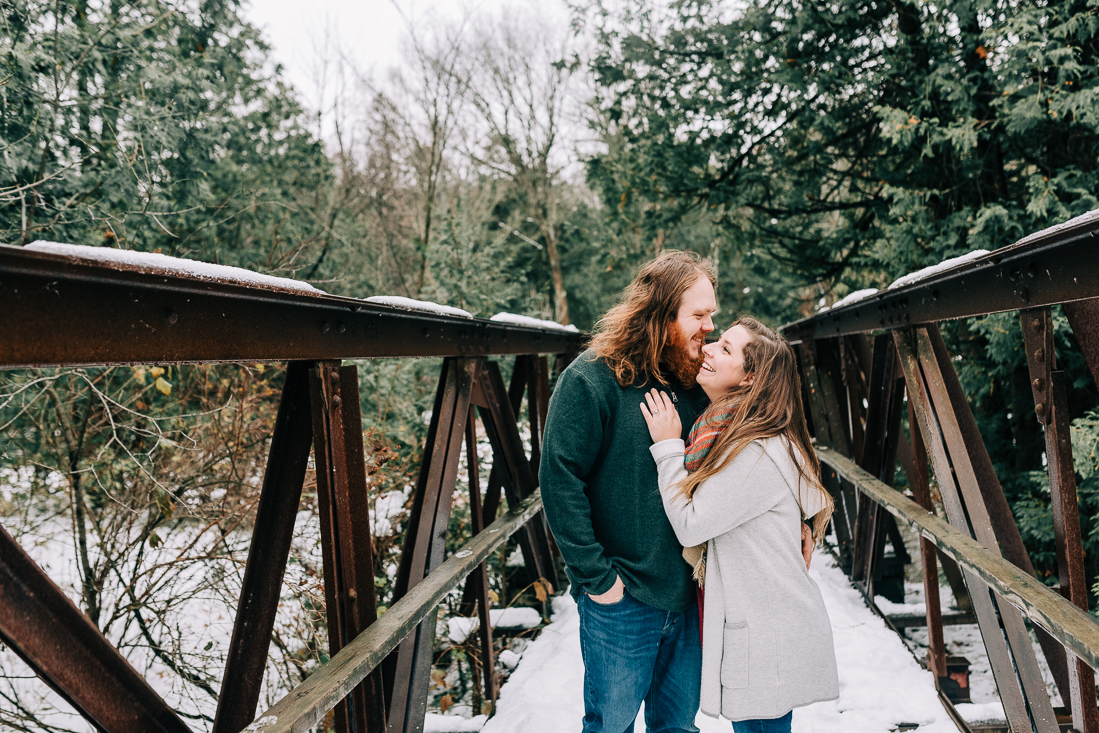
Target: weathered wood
<point>1074,628</point>
<point>982,495</point>
<point>919,482</point>
<point>1008,650</point>
<point>304,706</point>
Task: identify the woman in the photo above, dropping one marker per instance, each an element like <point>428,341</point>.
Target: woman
<point>750,479</point>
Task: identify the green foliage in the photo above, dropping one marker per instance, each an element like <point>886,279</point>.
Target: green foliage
<point>852,141</point>
<point>152,126</point>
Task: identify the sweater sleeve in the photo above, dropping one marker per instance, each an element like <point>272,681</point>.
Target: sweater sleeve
<point>741,492</point>
<point>570,447</point>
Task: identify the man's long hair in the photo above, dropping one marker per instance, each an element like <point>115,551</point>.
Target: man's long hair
<point>768,407</point>
<point>632,336</point>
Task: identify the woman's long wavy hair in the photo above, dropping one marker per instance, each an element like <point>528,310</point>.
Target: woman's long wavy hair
<point>631,337</point>
<point>769,406</point>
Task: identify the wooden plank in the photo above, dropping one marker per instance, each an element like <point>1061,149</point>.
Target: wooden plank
<point>937,368</point>
<point>304,706</point>
<point>996,645</point>
<point>919,482</point>
<point>1074,628</point>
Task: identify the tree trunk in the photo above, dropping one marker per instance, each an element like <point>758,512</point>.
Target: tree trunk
<point>560,296</point>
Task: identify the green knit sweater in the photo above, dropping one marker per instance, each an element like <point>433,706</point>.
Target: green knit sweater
<point>599,487</point>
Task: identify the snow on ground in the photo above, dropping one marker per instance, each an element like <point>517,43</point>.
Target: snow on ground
<point>459,627</point>
<point>528,321</point>
<point>936,269</point>
<point>152,261</point>
<point>881,685</point>
<point>418,305</point>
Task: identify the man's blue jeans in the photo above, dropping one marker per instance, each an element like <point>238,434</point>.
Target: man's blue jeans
<point>633,653</point>
<point>776,725</point>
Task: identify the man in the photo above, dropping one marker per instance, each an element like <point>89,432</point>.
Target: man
<point>639,624</point>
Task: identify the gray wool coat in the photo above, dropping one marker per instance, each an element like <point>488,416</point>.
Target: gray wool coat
<point>767,641</point>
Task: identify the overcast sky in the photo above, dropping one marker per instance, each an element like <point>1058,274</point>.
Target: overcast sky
<point>368,30</point>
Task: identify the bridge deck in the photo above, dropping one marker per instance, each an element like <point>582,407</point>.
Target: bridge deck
<point>881,685</point>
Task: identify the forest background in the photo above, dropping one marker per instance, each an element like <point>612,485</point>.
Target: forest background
<point>509,161</point>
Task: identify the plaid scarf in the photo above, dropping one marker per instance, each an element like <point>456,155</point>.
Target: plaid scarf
<point>701,439</point>
<point>710,424</point>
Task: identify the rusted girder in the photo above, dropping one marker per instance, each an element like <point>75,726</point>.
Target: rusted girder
<point>267,554</point>
<point>57,311</point>
<point>42,626</point>
<point>1056,265</point>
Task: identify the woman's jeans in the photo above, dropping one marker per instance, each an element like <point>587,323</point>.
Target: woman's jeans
<point>773,725</point>
<point>633,653</point>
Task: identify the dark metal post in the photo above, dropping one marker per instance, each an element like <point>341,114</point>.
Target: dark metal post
<point>271,538</point>
<point>345,531</point>
<point>424,548</point>
<point>822,405</point>
<point>479,578</point>
<point>49,633</point>
<point>519,482</point>
<point>1051,408</point>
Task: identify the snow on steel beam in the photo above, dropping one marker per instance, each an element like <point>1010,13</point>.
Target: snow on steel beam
<point>1055,265</point>
<point>59,310</point>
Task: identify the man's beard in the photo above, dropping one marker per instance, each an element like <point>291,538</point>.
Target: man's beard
<point>677,358</point>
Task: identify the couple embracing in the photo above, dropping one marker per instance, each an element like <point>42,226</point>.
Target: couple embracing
<point>680,485</point>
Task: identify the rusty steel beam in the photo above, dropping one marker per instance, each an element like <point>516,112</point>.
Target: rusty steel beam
<point>57,311</point>
<point>408,673</point>
<point>65,649</point>
<point>267,554</point>
<point>1083,316</point>
<point>305,706</point>
<point>518,480</point>
<point>478,579</point>
<point>1056,265</point>
<point>491,504</point>
<point>350,604</point>
<point>1051,409</point>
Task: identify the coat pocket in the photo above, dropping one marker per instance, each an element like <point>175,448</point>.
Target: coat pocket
<point>734,656</point>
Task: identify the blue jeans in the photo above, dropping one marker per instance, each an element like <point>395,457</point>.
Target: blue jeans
<point>773,725</point>
<point>633,653</point>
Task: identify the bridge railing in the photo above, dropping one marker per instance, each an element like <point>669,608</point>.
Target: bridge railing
<point>867,362</point>
<point>60,311</point>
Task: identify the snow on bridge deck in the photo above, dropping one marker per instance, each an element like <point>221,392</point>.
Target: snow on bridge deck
<point>881,685</point>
